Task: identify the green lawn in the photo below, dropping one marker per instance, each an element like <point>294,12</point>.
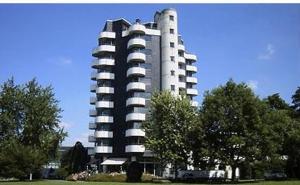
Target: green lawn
<point>60,182</point>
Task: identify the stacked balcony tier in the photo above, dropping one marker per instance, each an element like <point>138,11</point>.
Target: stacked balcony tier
<point>97,63</point>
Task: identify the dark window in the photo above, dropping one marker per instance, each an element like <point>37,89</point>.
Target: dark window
<point>172,72</point>
<point>172,58</point>
<point>172,31</point>
<point>171,18</point>
<point>172,87</point>
<point>172,44</point>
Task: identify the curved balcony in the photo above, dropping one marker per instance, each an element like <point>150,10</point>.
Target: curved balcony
<point>105,76</point>
<point>136,71</point>
<point>136,86</point>
<point>135,101</point>
<point>181,47</point>
<point>105,90</point>
<point>192,80</point>
<point>191,68</point>
<point>107,34</point>
<point>103,134</point>
<point>134,148</point>
<point>181,72</point>
<point>103,149</point>
<point>93,113</point>
<point>135,132</point>
<point>136,42</point>
<point>193,92</point>
<point>194,103</point>
<point>136,57</point>
<point>93,87</point>
<point>93,100</point>
<point>92,125</point>
<point>104,104</point>
<point>104,119</point>
<point>103,62</point>
<point>137,28</point>
<point>181,60</point>
<point>135,117</point>
<point>103,49</point>
<point>189,56</point>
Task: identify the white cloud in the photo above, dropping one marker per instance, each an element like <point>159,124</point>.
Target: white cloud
<point>64,61</point>
<point>252,84</point>
<point>65,125</point>
<point>268,53</point>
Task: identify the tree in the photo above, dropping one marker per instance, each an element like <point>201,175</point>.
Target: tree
<point>296,102</point>
<point>232,124</point>
<point>75,159</point>
<point>29,122</point>
<point>170,122</point>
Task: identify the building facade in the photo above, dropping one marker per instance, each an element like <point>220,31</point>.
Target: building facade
<point>132,60</point>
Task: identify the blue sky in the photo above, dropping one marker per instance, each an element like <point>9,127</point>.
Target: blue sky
<point>256,44</point>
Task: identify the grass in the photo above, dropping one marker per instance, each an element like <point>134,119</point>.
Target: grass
<point>61,182</point>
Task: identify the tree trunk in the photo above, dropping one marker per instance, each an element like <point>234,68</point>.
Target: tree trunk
<point>175,167</point>
<point>233,177</point>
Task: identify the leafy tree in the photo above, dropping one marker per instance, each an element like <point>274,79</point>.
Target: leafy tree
<point>170,123</point>
<point>134,172</point>
<point>75,159</point>
<point>29,127</point>
<point>296,102</point>
<point>232,124</point>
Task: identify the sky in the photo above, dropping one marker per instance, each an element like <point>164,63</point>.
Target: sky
<point>258,44</point>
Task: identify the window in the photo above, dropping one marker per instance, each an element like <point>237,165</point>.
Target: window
<point>172,44</point>
<point>172,31</point>
<point>172,58</point>
<point>171,18</point>
<point>172,87</point>
<point>172,72</point>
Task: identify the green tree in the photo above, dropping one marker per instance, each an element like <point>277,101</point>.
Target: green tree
<point>170,122</point>
<point>29,121</point>
<point>75,159</point>
<point>232,124</point>
<point>296,102</point>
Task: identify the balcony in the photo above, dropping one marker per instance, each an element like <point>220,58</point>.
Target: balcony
<point>105,76</point>
<point>135,117</point>
<point>189,56</point>
<point>136,71</point>
<point>92,125</point>
<point>192,80</point>
<point>135,101</point>
<point>134,148</point>
<point>105,90</point>
<point>103,134</point>
<point>136,86</point>
<point>181,72</point>
<point>93,87</point>
<point>93,100</point>
<point>191,68</point>
<point>103,149</point>
<point>135,132</point>
<point>107,34</point>
<point>93,113</point>
<point>181,47</point>
<point>193,92</point>
<point>194,103</point>
<point>103,49</point>
<point>104,104</point>
<point>181,60</point>
<point>91,139</point>
<point>136,57</point>
<point>136,42</point>
<point>103,62</point>
<point>104,119</point>
<point>137,28</point>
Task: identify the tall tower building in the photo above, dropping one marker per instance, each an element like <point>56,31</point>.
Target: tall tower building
<point>132,60</point>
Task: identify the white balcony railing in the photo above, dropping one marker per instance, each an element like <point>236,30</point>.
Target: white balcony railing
<point>193,92</point>
<point>191,68</point>
<point>105,90</point>
<point>136,56</point>
<point>190,56</point>
<point>137,86</point>
<point>103,134</point>
<point>103,62</point>
<point>136,42</point>
<point>136,71</point>
<point>134,148</point>
<point>135,117</point>
<point>103,149</point>
<point>135,101</point>
<point>104,119</point>
<point>107,34</point>
<point>103,48</point>
<point>135,132</point>
<point>192,80</point>
<point>104,104</point>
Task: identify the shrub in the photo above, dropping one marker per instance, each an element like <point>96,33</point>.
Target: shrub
<point>104,177</point>
<point>134,172</point>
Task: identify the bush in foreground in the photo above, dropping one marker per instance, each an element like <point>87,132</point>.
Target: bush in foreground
<point>134,172</point>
